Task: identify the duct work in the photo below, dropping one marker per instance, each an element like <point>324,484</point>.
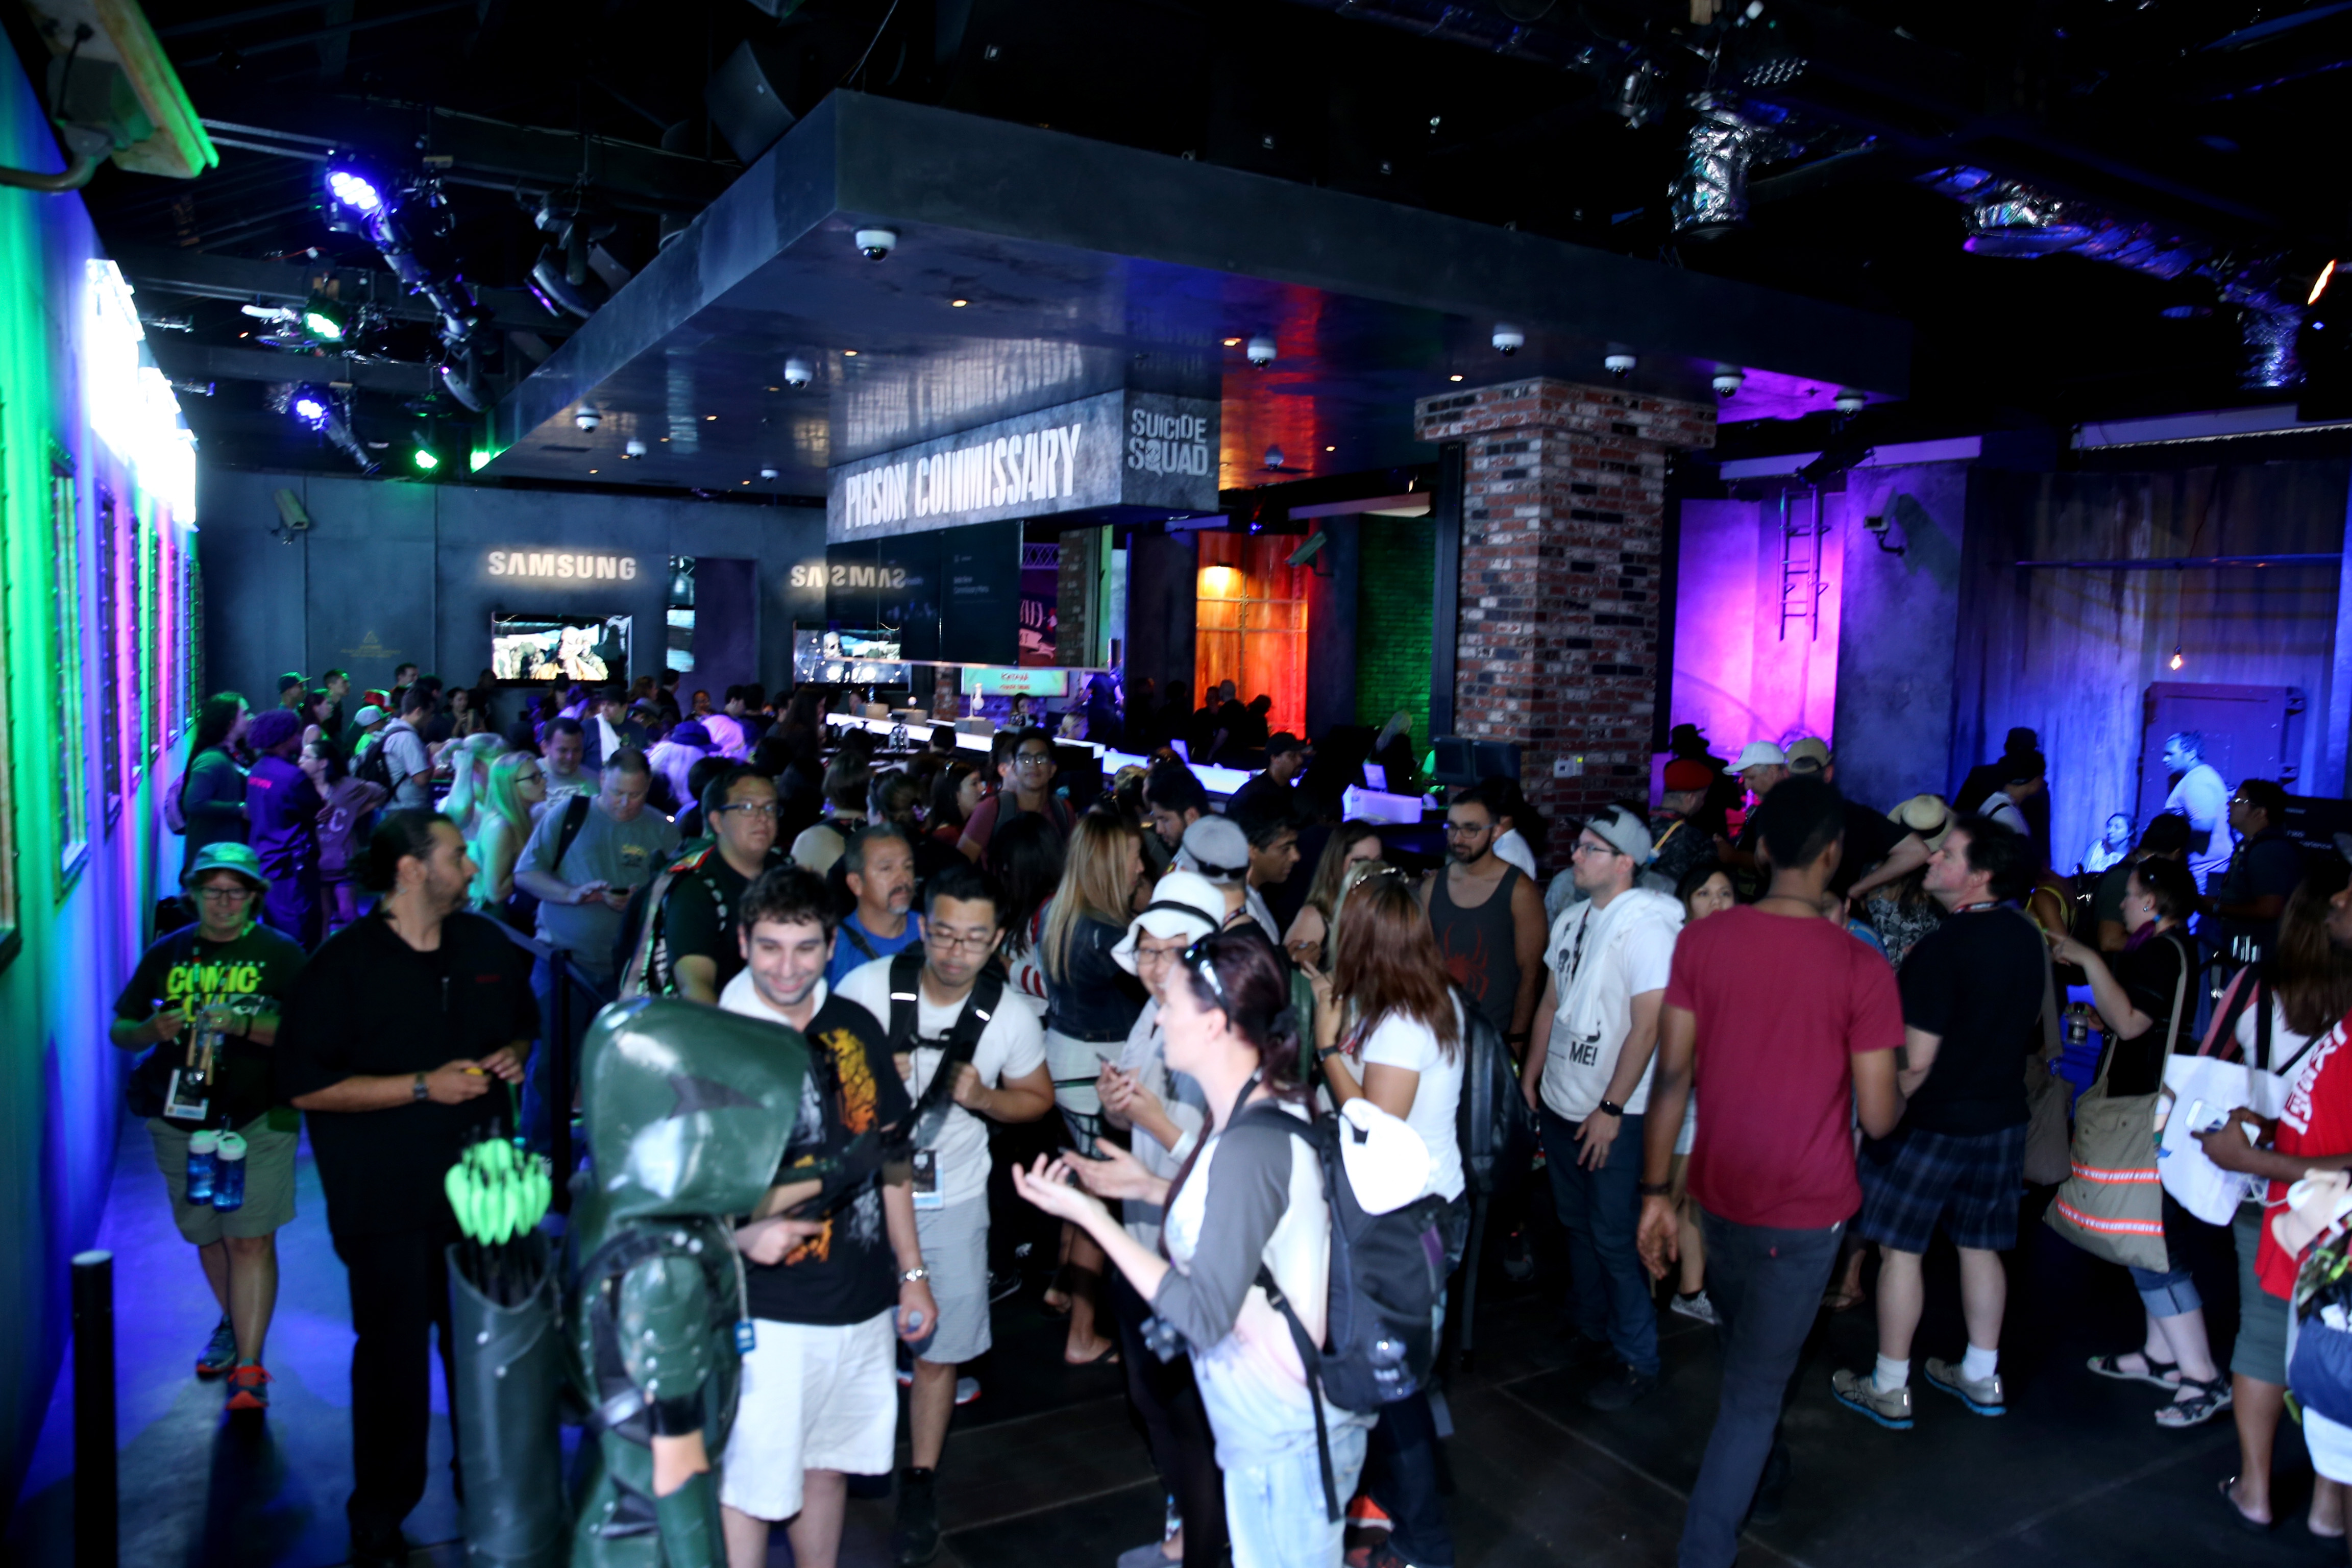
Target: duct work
<point>2007,218</point>
<point>1726,138</point>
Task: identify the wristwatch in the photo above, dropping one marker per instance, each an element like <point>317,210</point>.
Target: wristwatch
<point>1653,1189</point>
<point>418,1092</point>
<point>1613,1108</point>
<point>911,1276</point>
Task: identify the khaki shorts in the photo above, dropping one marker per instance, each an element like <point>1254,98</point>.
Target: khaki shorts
<point>268,1183</point>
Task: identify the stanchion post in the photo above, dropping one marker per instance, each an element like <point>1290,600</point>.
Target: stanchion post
<point>97,1529</point>
<point>559,1079</point>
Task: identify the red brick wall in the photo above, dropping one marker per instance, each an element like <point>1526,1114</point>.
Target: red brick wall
<point>1563,514</point>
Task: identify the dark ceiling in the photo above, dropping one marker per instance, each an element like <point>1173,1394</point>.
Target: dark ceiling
<point>2206,128</point>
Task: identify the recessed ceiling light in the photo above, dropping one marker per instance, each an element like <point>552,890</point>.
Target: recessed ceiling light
<point>775,389</point>
<point>958,304</point>
<point>1232,342</point>
<point>850,353</point>
<point>664,437</point>
<point>1453,378</point>
<point>591,470</point>
<point>747,482</point>
<point>710,419</point>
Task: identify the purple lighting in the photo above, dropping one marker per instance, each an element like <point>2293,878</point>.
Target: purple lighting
<point>354,191</point>
<point>311,407</point>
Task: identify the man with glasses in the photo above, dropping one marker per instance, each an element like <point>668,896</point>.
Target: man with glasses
<point>1028,786</point>
<point>206,998</point>
<point>2247,896</point>
<point>696,953</point>
<point>1488,918</point>
<point>1001,1074</point>
<point>1588,1070</point>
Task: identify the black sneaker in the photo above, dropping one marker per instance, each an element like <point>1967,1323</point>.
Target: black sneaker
<point>1619,1389</point>
<point>915,1538</point>
<point>219,1355</point>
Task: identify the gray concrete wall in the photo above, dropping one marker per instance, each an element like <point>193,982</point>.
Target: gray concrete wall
<point>1894,663</point>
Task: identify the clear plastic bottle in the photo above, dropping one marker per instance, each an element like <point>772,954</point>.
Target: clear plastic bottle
<point>228,1182</point>
<point>203,1157</point>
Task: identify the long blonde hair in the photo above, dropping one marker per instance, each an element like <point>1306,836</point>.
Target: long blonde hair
<point>498,797</point>
<point>1094,882</point>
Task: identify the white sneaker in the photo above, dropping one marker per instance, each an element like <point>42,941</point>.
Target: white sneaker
<point>1859,1390</point>
<point>1695,1305</point>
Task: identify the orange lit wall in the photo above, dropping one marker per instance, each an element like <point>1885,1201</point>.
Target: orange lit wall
<point>1252,624</point>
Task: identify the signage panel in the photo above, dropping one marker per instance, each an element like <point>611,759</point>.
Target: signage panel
<point>1130,448</point>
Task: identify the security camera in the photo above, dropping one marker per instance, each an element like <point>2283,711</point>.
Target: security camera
<point>1619,363</point>
<point>635,449</point>
<point>767,473</point>
<point>1848,400</point>
<point>874,244</point>
<point>1261,352</point>
<point>1728,380</point>
<point>797,373</point>
<point>1509,339</point>
<point>587,419</point>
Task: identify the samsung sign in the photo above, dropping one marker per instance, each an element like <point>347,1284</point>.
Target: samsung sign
<point>559,565</point>
<point>1121,448</point>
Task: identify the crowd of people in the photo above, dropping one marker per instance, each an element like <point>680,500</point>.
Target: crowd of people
<point>1873,1003</point>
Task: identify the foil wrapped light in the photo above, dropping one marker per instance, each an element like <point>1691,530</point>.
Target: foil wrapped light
<point>1711,193</point>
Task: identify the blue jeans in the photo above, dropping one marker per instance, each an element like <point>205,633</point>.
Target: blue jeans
<point>1609,1291</point>
<point>1767,1289</point>
<point>1275,1512</point>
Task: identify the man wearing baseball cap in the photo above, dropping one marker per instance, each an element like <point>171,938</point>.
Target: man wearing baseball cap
<point>1164,1110</point>
<point>1217,848</point>
<point>1678,841</point>
<point>1286,758</point>
<point>207,998</point>
<point>1878,850</point>
<point>1761,765</point>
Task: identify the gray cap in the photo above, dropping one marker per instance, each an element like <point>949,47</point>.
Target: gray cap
<point>1217,848</point>
<point>371,715</point>
<point>1624,832</point>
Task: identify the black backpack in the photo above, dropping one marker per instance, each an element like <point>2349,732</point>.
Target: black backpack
<point>979,1004</point>
<point>1495,1128</point>
<point>375,767</point>
<point>1386,1273</point>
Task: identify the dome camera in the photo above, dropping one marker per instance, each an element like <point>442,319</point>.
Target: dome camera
<point>1509,339</point>
<point>767,473</point>
<point>1848,400</point>
<point>635,449</point>
<point>874,244</point>
<point>1728,380</point>
<point>797,373</point>
<point>1619,363</point>
<point>1261,352</point>
<point>587,419</point>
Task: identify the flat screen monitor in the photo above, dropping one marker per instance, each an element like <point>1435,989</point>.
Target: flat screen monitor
<point>526,648</point>
<point>846,657</point>
<point>1376,777</point>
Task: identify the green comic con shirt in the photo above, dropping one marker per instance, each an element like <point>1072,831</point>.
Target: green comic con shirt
<point>250,974</point>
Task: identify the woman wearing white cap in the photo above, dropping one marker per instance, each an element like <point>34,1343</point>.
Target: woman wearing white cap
<point>1163,1112</point>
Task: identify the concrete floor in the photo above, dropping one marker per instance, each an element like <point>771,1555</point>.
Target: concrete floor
<point>1047,1466</point>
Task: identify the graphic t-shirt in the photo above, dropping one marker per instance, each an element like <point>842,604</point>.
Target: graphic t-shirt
<point>1011,1046</point>
<point>184,970</point>
<point>1784,1005</point>
<point>2316,1121</point>
<point>622,855</point>
<point>847,1272</point>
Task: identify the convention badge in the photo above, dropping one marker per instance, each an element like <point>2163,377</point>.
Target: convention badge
<point>926,1181</point>
<point>188,1102</point>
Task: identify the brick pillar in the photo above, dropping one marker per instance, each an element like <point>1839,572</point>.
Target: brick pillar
<point>1562,519</point>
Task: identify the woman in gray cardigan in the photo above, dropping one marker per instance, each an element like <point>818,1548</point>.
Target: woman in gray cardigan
<point>211,787</point>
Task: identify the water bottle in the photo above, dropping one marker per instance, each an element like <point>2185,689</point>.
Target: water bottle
<point>202,1155</point>
<point>228,1180</point>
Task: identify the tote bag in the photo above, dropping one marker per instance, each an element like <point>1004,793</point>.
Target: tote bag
<point>2202,1089</point>
<point>2112,1203</point>
<point>2047,1156</point>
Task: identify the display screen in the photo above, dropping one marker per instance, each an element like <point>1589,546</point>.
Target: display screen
<point>836,657</point>
<point>565,647</point>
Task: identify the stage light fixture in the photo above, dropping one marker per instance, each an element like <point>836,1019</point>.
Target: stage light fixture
<point>1848,400</point>
<point>311,407</point>
<point>2319,284</point>
<point>1274,456</point>
<point>351,189</point>
<point>325,320</point>
<point>2175,661</point>
<point>477,461</point>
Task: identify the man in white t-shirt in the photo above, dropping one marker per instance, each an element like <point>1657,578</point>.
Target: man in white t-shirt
<point>1588,1071</point>
<point>2202,797</point>
<point>1005,1080</point>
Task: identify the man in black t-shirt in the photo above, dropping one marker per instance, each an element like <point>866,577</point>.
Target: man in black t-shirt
<point>1973,994</point>
<point>696,953</point>
<point>2248,897</point>
<point>208,995</point>
<point>833,1284</point>
<point>397,1039</point>
<point>1877,851</point>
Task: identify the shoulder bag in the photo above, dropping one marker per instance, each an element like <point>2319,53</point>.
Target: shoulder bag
<point>2048,1156</point>
<point>2112,1203</point>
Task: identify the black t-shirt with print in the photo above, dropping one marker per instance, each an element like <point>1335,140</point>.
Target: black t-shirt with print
<point>849,1272</point>
<point>251,974</point>
<point>371,1005</point>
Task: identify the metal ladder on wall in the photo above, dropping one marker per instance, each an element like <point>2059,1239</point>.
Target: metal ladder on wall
<point>1802,584</point>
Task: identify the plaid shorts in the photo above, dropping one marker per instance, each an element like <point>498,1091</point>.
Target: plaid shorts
<point>1916,1178</point>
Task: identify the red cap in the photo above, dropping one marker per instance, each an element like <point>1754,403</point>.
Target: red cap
<point>1686,774</point>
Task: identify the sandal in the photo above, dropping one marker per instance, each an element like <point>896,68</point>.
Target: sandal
<point>2240,1517</point>
<point>2213,1397</point>
<point>2164,1374</point>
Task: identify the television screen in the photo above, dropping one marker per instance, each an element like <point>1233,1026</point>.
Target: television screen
<point>839,657</point>
<point>568,647</point>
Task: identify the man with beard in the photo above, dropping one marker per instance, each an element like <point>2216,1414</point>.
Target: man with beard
<point>393,1040</point>
<point>828,1292</point>
<point>1489,921</point>
<point>879,867</point>
<point>697,953</point>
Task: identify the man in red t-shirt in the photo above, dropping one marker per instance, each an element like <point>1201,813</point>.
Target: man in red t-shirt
<point>1788,1021</point>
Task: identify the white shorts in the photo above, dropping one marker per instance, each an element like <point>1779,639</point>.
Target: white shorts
<point>2330,1446</point>
<point>955,1249</point>
<point>815,1397</point>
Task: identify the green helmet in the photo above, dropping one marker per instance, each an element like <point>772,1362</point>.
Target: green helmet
<point>688,1109</point>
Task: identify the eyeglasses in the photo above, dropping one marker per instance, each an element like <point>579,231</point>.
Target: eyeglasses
<point>949,941</point>
<point>766,808</point>
<point>1034,760</point>
<point>530,778</point>
<point>1466,831</point>
<point>1587,846</point>
<point>225,895</point>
